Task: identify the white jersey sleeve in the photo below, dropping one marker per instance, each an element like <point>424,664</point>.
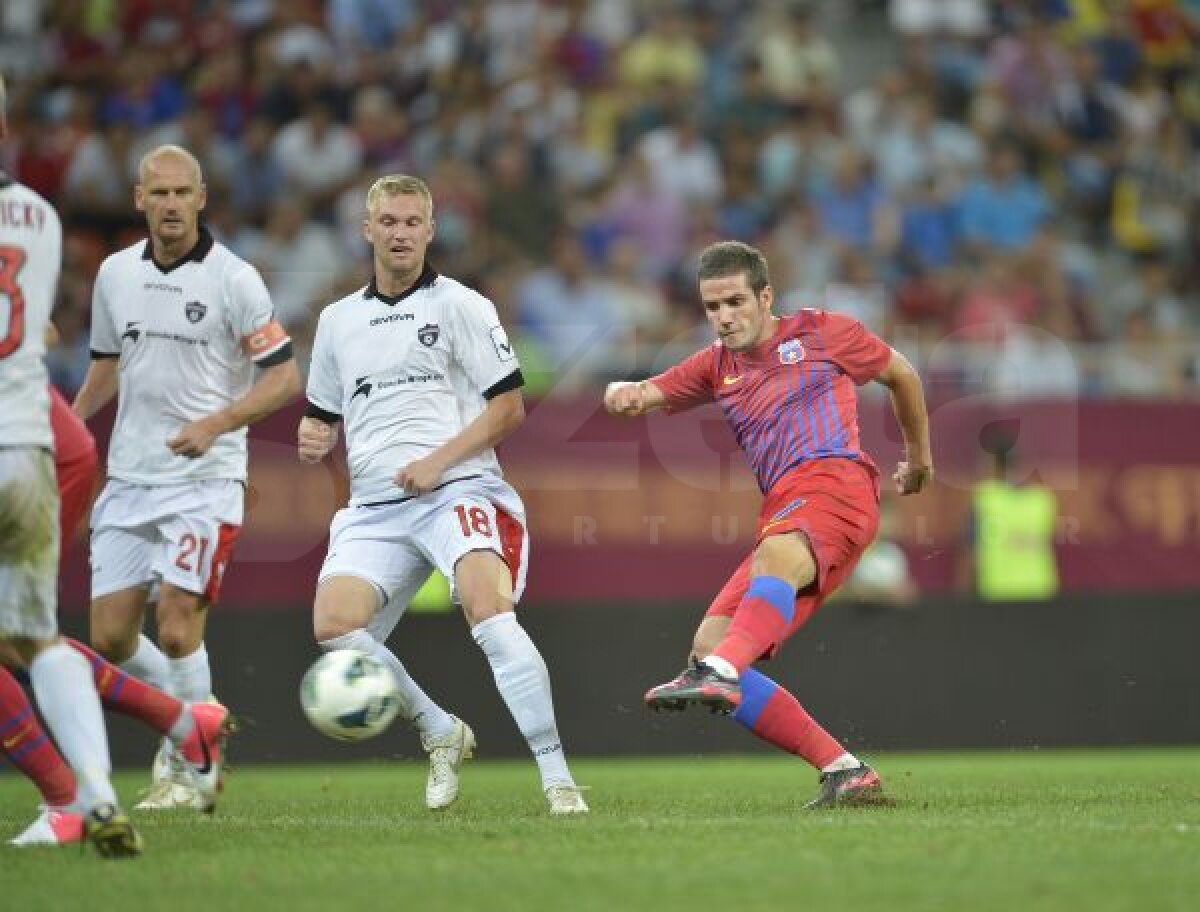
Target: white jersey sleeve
<point>324,380</point>
<point>253,315</point>
<point>106,340</point>
<point>481,346</point>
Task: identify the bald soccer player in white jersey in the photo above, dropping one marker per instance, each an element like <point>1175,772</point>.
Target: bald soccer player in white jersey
<point>184,334</point>
<point>419,369</point>
<point>30,259</point>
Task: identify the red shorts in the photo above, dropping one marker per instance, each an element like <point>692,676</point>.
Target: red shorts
<point>74,465</point>
<point>835,503</point>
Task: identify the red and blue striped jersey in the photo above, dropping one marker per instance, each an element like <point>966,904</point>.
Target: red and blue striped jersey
<point>791,399</point>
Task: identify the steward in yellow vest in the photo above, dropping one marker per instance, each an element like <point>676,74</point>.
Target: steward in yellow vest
<point>1014,528</point>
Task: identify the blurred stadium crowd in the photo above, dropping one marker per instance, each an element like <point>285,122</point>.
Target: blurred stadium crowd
<point>1006,190</point>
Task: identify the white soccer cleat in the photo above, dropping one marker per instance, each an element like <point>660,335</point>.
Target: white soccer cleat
<point>446,755</point>
<point>169,795</point>
<point>53,826</point>
<point>566,800</point>
<point>172,786</point>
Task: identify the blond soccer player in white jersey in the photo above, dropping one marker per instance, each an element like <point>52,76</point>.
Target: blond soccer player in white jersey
<point>184,335</point>
<point>30,259</point>
<point>420,371</point>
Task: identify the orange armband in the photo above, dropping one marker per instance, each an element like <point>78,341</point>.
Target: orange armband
<point>265,340</point>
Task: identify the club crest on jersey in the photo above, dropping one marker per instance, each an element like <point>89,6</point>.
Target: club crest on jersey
<point>194,311</point>
<point>428,334</point>
<point>790,352</point>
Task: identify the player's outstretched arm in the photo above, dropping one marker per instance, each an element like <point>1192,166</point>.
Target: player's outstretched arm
<point>633,399</point>
<point>501,416</point>
<point>315,438</point>
<point>275,387</point>
<point>915,472</point>
<point>99,387</point>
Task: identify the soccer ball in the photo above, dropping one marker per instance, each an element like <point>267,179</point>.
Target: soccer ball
<point>349,695</point>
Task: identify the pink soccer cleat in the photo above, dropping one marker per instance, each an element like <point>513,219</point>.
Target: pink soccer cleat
<point>53,826</point>
<point>699,685</point>
<point>859,787</point>
<point>203,751</point>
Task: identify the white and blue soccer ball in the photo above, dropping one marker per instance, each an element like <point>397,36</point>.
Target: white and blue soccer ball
<point>349,695</point>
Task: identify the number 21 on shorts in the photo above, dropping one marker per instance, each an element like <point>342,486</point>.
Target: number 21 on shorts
<point>190,546</point>
<point>473,519</point>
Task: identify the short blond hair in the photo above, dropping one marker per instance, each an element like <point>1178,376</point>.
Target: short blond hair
<point>392,185</point>
<point>168,151</point>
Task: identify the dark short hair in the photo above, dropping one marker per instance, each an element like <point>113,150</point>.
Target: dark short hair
<point>730,258</point>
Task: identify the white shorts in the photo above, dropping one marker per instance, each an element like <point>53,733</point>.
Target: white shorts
<point>29,543</point>
<point>397,545</point>
<point>180,534</point>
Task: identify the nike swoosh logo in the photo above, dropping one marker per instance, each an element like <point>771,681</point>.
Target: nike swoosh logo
<point>730,381</point>
<point>13,740</point>
<point>207,767</point>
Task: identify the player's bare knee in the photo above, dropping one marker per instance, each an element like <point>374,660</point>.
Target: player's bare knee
<point>178,640</point>
<point>181,617</point>
<point>330,622</point>
<point>333,625</point>
<point>484,585</point>
<point>177,644</point>
<point>19,652</point>
<point>113,643</point>
<point>788,556</point>
<point>9,656</point>
<point>479,610</point>
<point>344,604</point>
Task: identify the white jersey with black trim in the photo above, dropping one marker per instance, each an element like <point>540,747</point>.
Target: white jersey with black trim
<point>407,374</point>
<point>188,337</point>
<point>30,259</point>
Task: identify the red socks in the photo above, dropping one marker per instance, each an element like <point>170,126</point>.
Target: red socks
<point>778,718</point>
<point>29,748</point>
<point>129,696</point>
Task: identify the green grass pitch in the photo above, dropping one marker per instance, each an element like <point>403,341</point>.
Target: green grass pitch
<point>1064,830</point>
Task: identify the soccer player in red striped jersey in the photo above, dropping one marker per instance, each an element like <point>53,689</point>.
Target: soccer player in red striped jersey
<point>198,730</point>
<point>787,388</point>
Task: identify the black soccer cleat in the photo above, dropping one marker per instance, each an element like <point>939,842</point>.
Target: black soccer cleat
<point>109,829</point>
<point>698,684</point>
<point>858,787</point>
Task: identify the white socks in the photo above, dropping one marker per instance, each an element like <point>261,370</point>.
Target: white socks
<point>190,677</point>
<point>524,683</point>
<point>149,663</point>
<point>415,705</point>
<point>844,762</point>
<point>66,695</point>
<point>721,666</point>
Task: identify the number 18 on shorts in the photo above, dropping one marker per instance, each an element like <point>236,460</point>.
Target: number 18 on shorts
<point>395,545</point>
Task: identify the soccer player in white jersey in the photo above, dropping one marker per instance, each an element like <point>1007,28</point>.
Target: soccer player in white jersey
<point>30,259</point>
<point>419,368</point>
<point>180,325</point>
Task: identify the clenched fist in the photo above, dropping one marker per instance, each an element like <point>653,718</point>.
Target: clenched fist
<point>314,439</point>
<point>625,398</point>
<point>911,478</point>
